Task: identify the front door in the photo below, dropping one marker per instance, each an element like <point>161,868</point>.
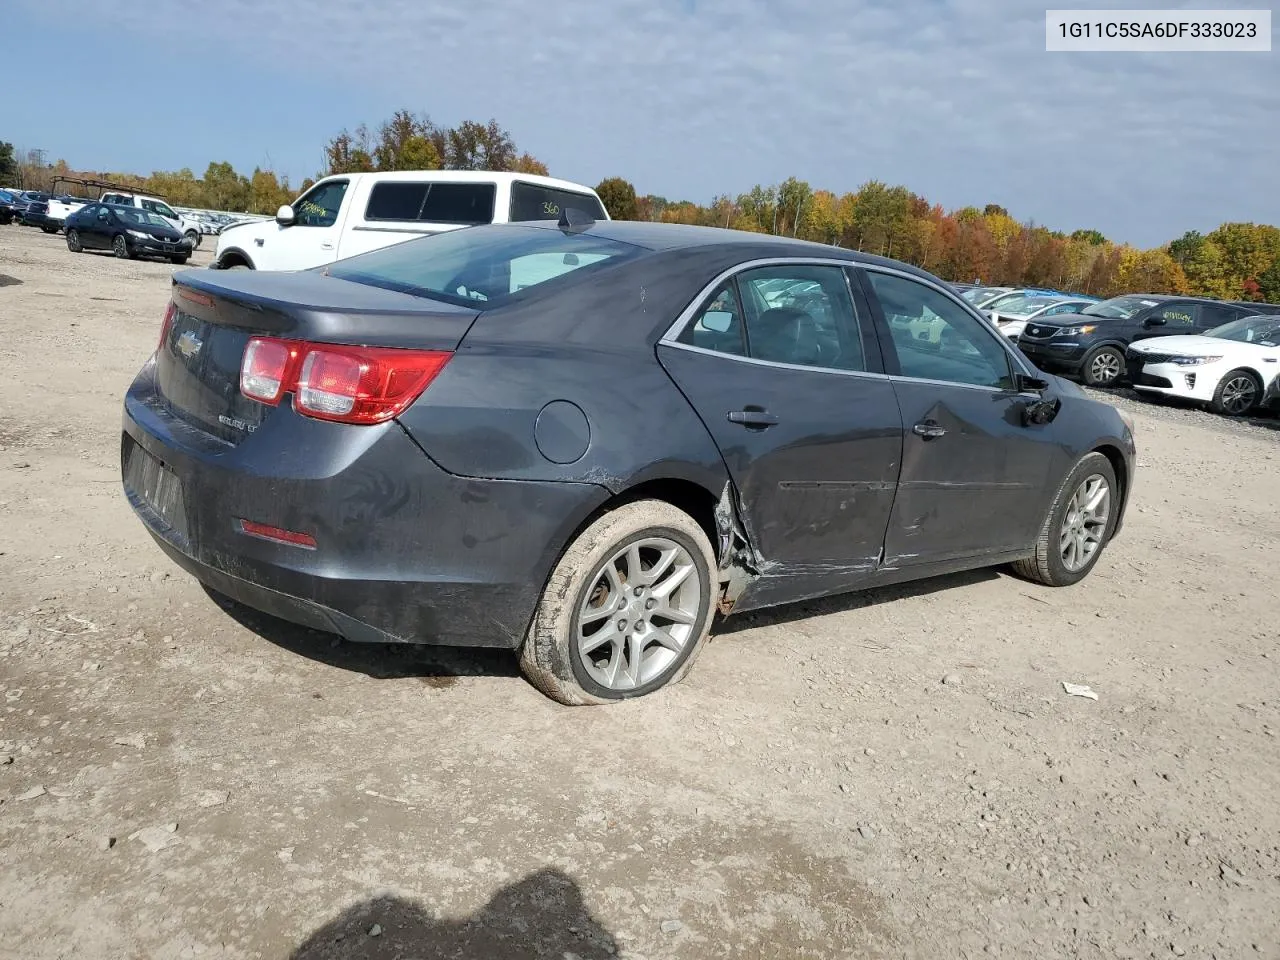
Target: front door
<point>97,235</point>
<point>975,476</point>
<point>312,239</point>
<point>786,376</point>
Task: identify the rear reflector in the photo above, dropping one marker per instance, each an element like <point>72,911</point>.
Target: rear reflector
<point>264,532</point>
<point>362,385</point>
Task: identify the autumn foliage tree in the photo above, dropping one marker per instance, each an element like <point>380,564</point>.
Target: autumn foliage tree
<point>618,197</point>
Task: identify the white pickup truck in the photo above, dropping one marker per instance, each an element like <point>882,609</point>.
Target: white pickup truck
<point>352,213</point>
<point>187,226</point>
<point>59,210</point>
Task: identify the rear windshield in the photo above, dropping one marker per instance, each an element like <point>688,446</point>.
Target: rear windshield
<point>467,203</point>
<point>532,202</point>
<point>480,265</point>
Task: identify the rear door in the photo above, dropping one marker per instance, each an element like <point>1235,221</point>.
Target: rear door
<point>974,476</point>
<point>782,366</point>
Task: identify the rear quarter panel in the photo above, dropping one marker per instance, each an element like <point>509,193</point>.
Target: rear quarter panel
<point>592,345</point>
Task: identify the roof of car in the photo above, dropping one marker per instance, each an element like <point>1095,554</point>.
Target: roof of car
<point>465,176</point>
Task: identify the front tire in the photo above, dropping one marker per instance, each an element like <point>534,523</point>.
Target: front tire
<point>120,247</point>
<point>1103,367</point>
<point>1078,526</point>
<point>73,241</point>
<point>194,237</point>
<point>179,260</point>
<point>1238,393</point>
<point>626,609</point>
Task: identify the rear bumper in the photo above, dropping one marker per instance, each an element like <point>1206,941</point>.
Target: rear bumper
<point>405,552</point>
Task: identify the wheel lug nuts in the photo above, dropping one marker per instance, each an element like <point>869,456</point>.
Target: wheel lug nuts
<point>650,604</point>
<point>622,624</point>
<point>638,591</point>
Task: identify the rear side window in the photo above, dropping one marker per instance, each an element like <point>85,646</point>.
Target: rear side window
<point>532,202</point>
<point>464,203</point>
<point>482,266</point>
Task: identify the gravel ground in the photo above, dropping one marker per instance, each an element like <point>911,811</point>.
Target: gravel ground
<point>893,774</point>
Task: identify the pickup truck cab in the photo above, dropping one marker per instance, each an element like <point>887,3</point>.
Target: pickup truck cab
<point>187,227</point>
<point>352,213</point>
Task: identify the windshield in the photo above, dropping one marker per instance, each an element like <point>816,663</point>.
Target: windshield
<point>1118,308</point>
<point>1022,304</point>
<point>141,217</point>
<point>484,264</point>
<point>1264,331</point>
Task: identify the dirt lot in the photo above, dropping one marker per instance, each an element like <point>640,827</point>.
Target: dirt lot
<point>178,780</point>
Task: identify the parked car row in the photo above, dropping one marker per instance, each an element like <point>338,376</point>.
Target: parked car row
<point>127,231</point>
<point>1225,354</point>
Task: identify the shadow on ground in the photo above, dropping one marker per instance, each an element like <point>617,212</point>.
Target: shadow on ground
<point>776,616</point>
<point>435,666</point>
<point>542,915</point>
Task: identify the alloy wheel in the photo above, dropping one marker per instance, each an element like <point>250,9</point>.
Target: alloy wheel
<point>1105,367</point>
<point>73,241</point>
<point>638,613</point>
<point>120,246</point>
<point>1239,394</point>
<point>1085,522</point>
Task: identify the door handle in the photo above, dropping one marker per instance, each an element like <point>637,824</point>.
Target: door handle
<point>752,417</point>
<point>929,429</point>
<point>326,245</point>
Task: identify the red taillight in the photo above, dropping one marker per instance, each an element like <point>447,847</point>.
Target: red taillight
<point>346,384</point>
<point>265,532</point>
<point>166,324</point>
<point>265,369</point>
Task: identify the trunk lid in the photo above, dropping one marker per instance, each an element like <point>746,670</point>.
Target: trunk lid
<point>216,314</point>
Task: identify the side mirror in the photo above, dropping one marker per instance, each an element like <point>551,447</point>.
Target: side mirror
<point>717,321</point>
<point>284,216</point>
<point>1029,384</point>
<point>1154,322</point>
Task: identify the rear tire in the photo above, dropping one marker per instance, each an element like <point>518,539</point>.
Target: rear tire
<point>73,241</point>
<point>563,654</point>
<point>1060,559</point>
<point>1238,394</point>
<point>1103,367</point>
<point>48,229</point>
<point>120,247</point>
<point>179,260</point>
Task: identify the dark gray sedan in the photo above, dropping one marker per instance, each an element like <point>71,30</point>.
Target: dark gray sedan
<point>581,440</point>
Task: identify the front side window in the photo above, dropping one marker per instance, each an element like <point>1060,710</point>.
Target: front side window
<point>1178,314</point>
<point>320,206</point>
<point>937,339</point>
<point>481,266</point>
<point>533,202</point>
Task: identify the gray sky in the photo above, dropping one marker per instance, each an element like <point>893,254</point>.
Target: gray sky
<point>689,98</point>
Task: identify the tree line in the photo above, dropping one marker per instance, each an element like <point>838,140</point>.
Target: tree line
<point>1239,261</point>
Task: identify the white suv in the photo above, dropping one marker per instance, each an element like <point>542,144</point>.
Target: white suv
<point>352,213</point>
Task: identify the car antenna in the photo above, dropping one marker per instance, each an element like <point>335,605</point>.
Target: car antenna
<point>573,220</point>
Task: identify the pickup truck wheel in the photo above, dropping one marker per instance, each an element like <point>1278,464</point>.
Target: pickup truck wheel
<point>120,247</point>
<point>73,241</point>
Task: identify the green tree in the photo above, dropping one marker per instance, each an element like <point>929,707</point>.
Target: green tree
<point>618,197</point>
<point>1186,246</point>
<point>1092,237</point>
<point>225,189</point>
<point>994,209</point>
<point>479,146</point>
<point>8,165</point>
